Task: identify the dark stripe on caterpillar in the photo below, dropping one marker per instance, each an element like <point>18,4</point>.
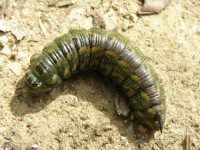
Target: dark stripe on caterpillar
<point>110,53</point>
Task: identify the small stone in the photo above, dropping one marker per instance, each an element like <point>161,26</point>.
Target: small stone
<point>106,128</point>
<point>64,3</point>
<point>84,118</point>
<point>3,130</point>
<point>134,18</point>
<point>98,132</point>
<point>86,125</point>
<point>151,7</point>
<point>155,147</point>
<point>7,136</point>
<point>34,146</point>
<point>14,26</point>
<point>125,25</point>
<point>7,145</point>
<point>11,146</point>
<point>16,68</point>
<point>64,130</point>
<point>6,51</point>
<point>124,141</point>
<point>3,40</point>
<point>86,138</point>
<point>70,134</point>
<point>111,20</point>
<point>123,138</point>
<point>21,55</point>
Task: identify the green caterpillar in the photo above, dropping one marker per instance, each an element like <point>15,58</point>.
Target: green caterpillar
<point>111,54</point>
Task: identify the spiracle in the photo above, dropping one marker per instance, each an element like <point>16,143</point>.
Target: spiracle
<point>115,57</point>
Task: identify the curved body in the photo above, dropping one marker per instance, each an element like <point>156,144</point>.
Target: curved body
<point>111,54</point>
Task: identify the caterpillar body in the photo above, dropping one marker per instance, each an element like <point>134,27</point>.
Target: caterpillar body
<point>111,54</point>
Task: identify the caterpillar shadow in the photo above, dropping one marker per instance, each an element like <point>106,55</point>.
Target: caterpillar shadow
<point>23,103</point>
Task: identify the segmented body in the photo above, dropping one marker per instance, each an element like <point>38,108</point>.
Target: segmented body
<point>114,56</point>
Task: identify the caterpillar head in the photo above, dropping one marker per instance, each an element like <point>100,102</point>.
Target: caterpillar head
<point>33,83</point>
<point>41,75</point>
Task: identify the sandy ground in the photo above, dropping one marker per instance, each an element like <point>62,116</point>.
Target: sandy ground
<point>81,114</point>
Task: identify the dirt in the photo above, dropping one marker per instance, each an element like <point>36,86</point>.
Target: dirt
<point>80,114</point>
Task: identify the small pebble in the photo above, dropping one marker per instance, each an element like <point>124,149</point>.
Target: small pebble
<point>16,68</point>
<point>3,130</point>
<point>124,141</point>
<point>98,132</point>
<point>123,138</point>
<point>70,134</point>
<point>21,55</point>
<point>125,25</point>
<point>3,40</point>
<point>15,27</point>
<point>35,146</point>
<point>64,3</point>
<point>134,18</point>
<point>86,125</point>
<point>6,51</point>
<point>155,147</point>
<point>84,118</point>
<point>11,146</point>
<point>106,128</point>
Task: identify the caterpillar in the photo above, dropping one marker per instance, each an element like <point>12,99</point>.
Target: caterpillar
<point>115,57</point>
